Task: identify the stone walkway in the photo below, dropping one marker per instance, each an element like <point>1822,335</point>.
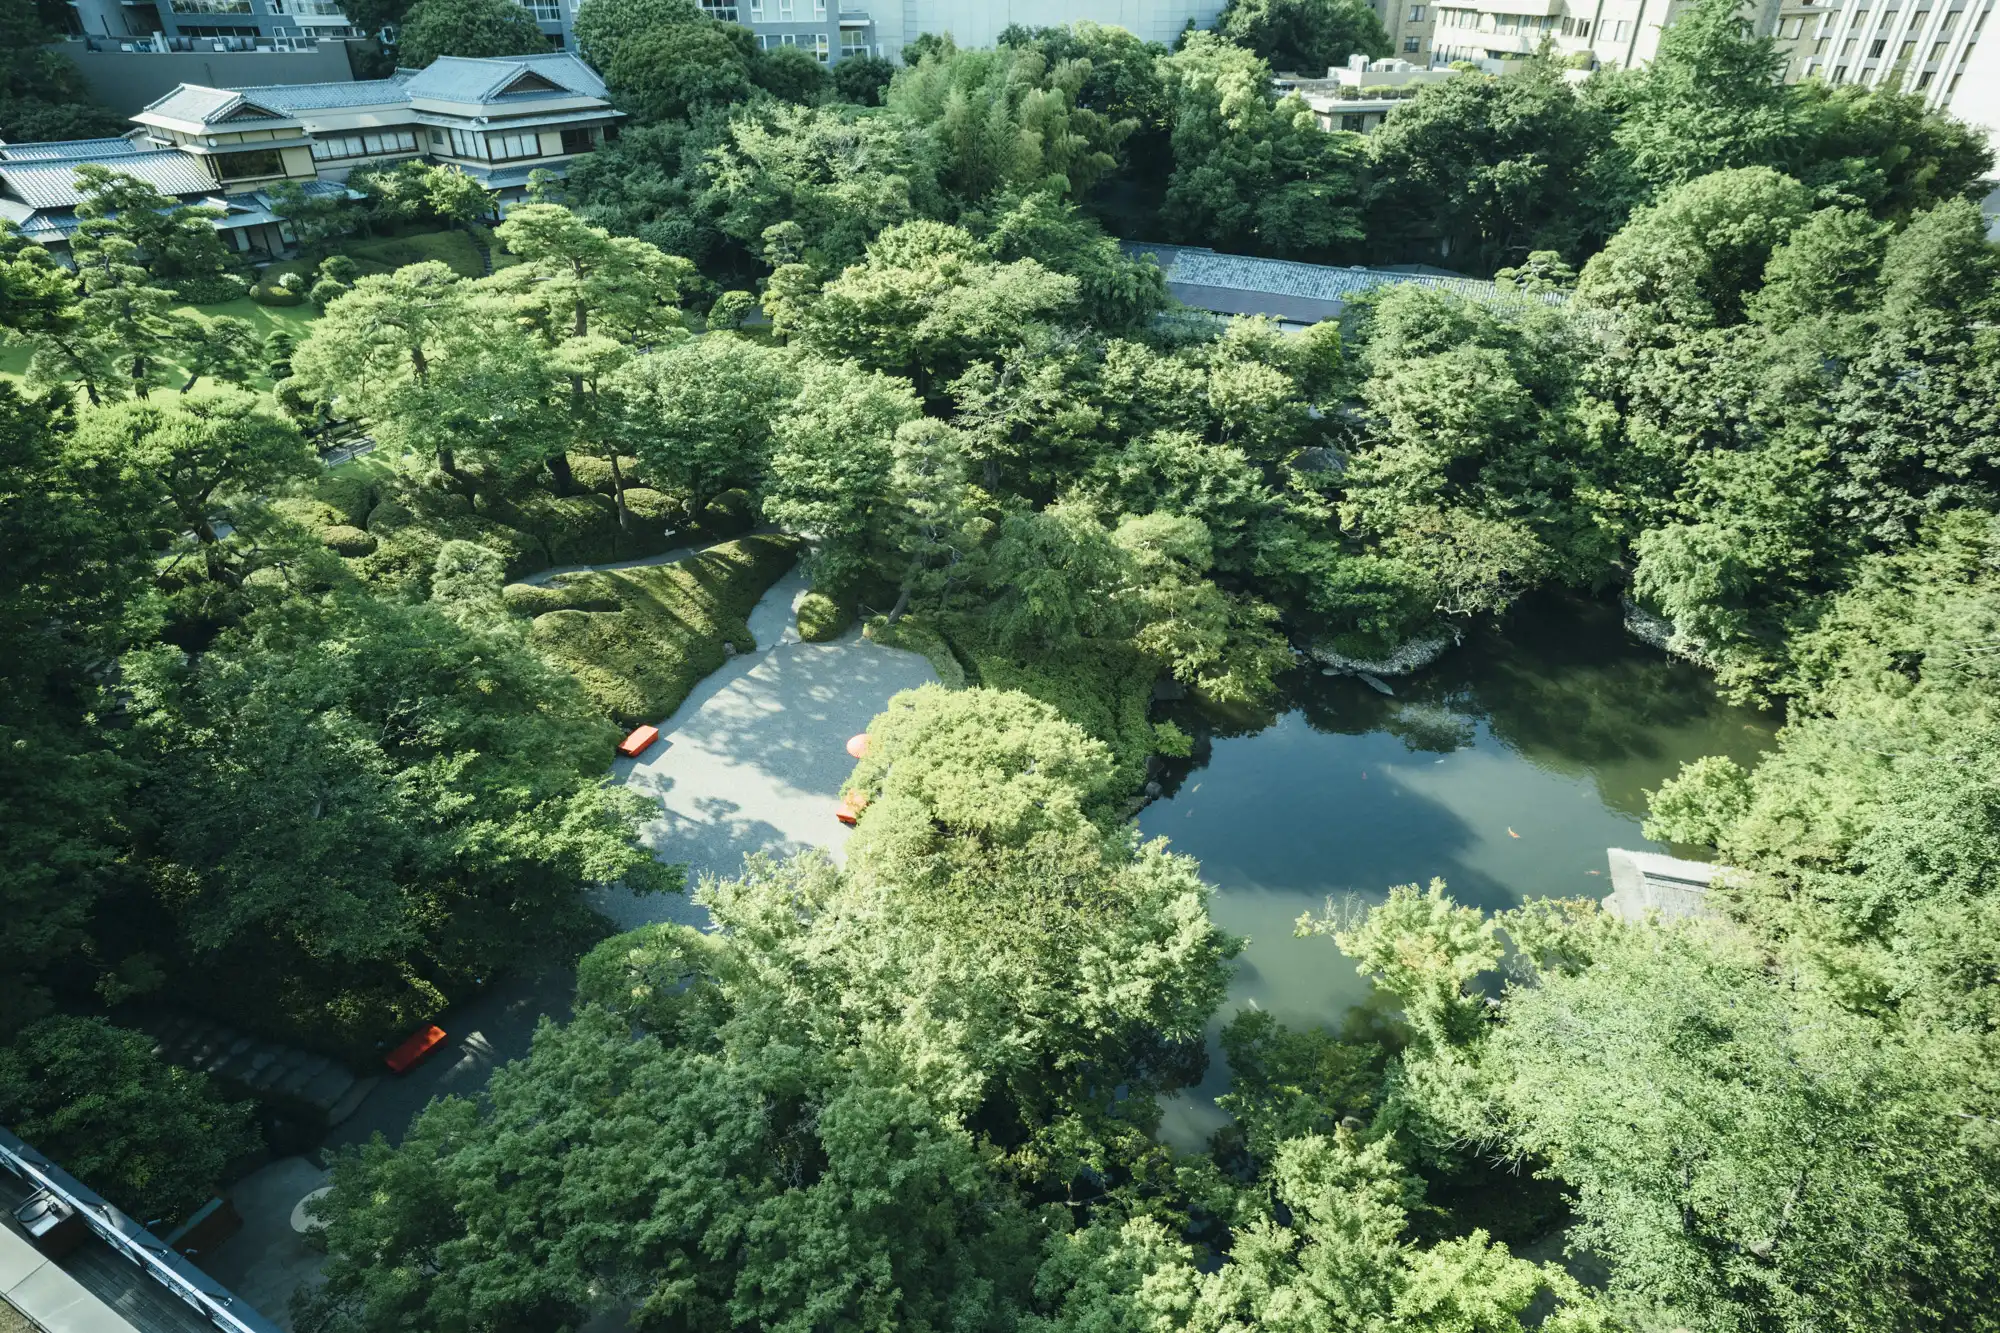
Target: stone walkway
<point>754,758</point>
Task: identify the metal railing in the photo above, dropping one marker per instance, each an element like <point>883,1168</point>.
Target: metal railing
<point>128,1239</point>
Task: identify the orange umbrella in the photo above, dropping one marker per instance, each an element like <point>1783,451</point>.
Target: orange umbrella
<point>857,746</point>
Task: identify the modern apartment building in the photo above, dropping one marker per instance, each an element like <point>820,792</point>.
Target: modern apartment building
<point>1410,26</point>
<point>1617,34</point>
<point>233,20</point>
<point>832,29</point>
<point>1922,46</point>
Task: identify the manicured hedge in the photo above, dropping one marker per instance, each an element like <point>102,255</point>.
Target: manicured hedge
<point>917,635</point>
<point>560,594</point>
<point>594,473</point>
<point>822,617</point>
<point>347,540</point>
<point>640,661</point>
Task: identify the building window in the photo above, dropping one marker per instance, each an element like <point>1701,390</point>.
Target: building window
<point>437,138</point>
<point>1583,27</point>
<point>1621,31</point>
<point>577,141</point>
<point>1937,52</point>
<point>853,42</point>
<point>722,11</point>
<point>1350,121</point>
<point>1909,49</point>
<point>243,166</point>
<point>1923,80</point>
<point>1875,47</point>
<point>545,11</point>
<point>328,147</point>
<point>756,11</point>
<point>1839,73</point>
<point>211,6</point>
<point>1412,45</point>
<point>819,9</point>
<point>1416,13</point>
<point>466,144</point>
<point>1792,28</point>
<point>784,11</point>
<point>513,147</point>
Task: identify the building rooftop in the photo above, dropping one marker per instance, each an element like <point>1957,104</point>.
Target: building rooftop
<point>296,97</point>
<point>111,1275</point>
<point>51,182</point>
<point>75,149</point>
<point>449,79</point>
<point>464,79</point>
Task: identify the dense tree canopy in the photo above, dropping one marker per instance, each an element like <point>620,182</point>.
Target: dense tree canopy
<point>312,730</point>
<point>434,28</point>
<point>1304,36</point>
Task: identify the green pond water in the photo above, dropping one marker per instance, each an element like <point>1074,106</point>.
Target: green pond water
<point>1507,769</point>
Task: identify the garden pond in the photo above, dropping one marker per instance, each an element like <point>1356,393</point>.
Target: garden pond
<point>1507,769</point>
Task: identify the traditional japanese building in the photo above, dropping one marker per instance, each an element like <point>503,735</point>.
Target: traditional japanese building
<point>497,120</point>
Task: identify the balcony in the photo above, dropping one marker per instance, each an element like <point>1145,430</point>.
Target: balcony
<point>210,6</point>
<point>308,8</point>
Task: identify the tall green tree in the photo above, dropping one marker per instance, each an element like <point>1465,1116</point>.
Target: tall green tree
<point>1304,36</point>
<point>74,552</point>
<point>1711,99</point>
<point>196,455</point>
<point>437,368</point>
<point>604,27</point>
<point>152,1138</point>
<point>434,28</point>
<point>1482,171</point>
<point>700,415</point>
<point>1251,173</point>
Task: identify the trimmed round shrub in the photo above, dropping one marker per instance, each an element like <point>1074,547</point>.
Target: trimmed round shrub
<point>346,540</point>
<point>650,506</point>
<point>352,497</point>
<point>729,514</point>
<point>210,288</point>
<point>822,618</point>
<point>275,295</point>
<point>593,473</point>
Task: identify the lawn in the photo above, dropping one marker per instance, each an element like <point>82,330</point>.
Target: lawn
<point>384,254</point>
<point>265,319</point>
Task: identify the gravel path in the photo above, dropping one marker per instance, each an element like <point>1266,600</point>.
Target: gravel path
<point>753,759</point>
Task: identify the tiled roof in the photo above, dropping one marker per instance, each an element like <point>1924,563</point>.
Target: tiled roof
<point>1198,267</point>
<point>297,97</point>
<point>463,79</point>
<point>312,189</point>
<point>76,149</point>
<point>53,184</point>
<point>192,102</point>
<point>504,178</point>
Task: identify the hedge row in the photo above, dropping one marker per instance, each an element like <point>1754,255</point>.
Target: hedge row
<point>639,661</point>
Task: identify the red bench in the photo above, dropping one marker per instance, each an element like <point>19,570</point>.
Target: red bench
<point>636,743</point>
<point>421,1043</point>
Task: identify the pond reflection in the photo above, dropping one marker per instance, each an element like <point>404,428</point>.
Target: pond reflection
<point>1506,769</point>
